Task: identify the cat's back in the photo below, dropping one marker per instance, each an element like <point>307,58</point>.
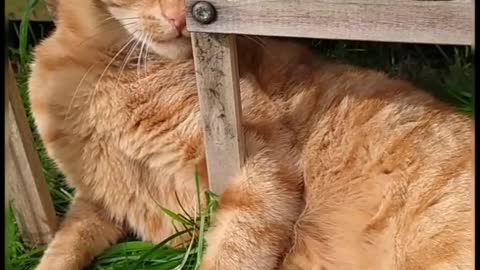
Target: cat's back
<point>364,116</point>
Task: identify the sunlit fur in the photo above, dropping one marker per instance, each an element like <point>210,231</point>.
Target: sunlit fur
<point>346,168</point>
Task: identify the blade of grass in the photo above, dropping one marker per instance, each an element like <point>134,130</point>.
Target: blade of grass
<point>177,217</point>
<point>202,223</point>
<point>24,27</point>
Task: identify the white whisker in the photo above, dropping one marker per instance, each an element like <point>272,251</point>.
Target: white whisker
<point>132,38</point>
<point>76,90</point>
<point>91,97</point>
<point>126,59</point>
<point>145,62</point>
<point>139,60</point>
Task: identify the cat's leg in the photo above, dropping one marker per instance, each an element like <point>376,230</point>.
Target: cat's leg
<point>86,232</point>
<point>254,223</point>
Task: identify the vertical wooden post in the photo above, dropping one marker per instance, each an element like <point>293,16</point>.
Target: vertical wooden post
<point>25,184</point>
<point>218,88</point>
<point>473,25</point>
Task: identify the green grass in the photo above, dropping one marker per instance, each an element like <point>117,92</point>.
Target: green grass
<point>446,71</point>
<point>133,255</point>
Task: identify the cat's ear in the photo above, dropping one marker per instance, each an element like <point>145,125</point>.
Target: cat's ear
<point>52,6</point>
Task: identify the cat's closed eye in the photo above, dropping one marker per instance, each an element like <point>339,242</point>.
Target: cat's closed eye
<point>157,23</point>
<point>114,3</point>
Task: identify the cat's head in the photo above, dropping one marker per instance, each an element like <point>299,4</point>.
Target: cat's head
<point>159,24</point>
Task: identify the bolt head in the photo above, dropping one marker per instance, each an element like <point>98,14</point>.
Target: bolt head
<point>204,12</point>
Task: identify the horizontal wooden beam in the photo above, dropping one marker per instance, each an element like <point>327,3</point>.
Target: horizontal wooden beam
<point>412,21</point>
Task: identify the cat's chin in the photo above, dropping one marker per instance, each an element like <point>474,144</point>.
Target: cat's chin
<point>180,48</point>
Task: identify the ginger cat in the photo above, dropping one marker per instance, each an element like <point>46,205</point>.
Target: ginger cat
<point>346,168</point>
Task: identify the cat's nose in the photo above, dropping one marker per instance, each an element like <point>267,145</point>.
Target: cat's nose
<point>177,17</point>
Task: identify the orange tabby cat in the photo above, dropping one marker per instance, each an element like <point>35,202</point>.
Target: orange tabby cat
<point>346,168</point>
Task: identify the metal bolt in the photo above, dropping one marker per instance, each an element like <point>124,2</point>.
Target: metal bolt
<point>204,12</point>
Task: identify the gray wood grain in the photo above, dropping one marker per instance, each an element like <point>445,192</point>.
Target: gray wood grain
<point>217,82</point>
<point>413,21</point>
<point>25,184</point>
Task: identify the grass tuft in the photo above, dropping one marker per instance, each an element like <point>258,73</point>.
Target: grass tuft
<point>133,255</point>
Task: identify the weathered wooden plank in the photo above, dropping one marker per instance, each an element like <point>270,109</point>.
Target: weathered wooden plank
<point>217,81</point>
<point>413,21</point>
<point>25,184</point>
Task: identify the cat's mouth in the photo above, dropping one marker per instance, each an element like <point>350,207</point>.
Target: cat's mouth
<point>184,33</point>
<point>161,36</point>
<point>173,38</point>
